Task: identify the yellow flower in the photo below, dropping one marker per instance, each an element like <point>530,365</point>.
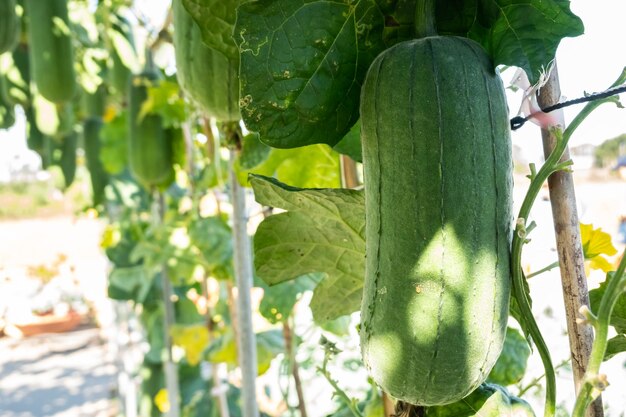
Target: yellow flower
<point>110,237</point>
<point>162,400</point>
<point>110,112</point>
<point>192,339</point>
<point>596,243</point>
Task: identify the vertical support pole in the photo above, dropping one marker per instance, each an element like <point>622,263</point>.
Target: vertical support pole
<point>246,346</point>
<point>569,247</point>
<point>169,367</point>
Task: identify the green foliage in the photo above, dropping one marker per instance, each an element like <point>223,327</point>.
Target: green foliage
<point>618,317</point>
<point>616,345</point>
<point>607,153</point>
<point>524,33</point>
<point>314,166</point>
<point>486,401</point>
<point>269,344</point>
<point>213,238</point>
<point>323,231</point>
<point>351,144</point>
<point>216,19</point>
<point>511,365</point>
<point>253,152</point>
<point>278,300</point>
<point>114,144</point>
<point>302,64</point>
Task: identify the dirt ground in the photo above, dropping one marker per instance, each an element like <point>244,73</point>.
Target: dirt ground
<point>56,375</point>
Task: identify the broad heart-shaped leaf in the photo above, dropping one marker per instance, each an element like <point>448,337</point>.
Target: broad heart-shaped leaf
<point>524,33</point>
<point>302,65</point>
<point>511,365</point>
<point>216,19</point>
<point>322,231</point>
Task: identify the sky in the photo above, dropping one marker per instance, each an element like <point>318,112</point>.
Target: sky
<point>588,63</point>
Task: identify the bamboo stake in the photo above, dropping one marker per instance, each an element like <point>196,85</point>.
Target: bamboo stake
<point>571,259</point>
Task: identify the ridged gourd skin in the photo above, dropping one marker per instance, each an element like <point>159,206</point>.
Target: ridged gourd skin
<point>51,51</point>
<point>15,71</point>
<point>92,144</point>
<point>67,160</point>
<point>94,104</point>
<point>206,75</point>
<point>9,25</point>
<point>120,71</point>
<point>438,194</point>
<point>150,145</point>
<point>7,111</point>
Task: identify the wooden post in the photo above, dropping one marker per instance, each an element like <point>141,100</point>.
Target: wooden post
<point>569,247</point>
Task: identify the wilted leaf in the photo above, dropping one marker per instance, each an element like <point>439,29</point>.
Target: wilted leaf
<point>323,231</point>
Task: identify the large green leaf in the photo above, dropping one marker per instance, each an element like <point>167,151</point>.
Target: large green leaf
<point>314,166</point>
<point>524,33</point>
<point>323,231</point>
<point>511,365</point>
<point>302,65</point>
<point>216,19</point>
